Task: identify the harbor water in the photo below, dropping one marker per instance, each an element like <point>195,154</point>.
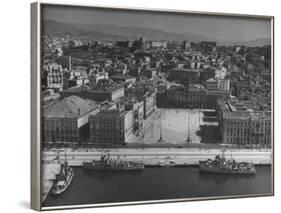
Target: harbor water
<point>90,187</point>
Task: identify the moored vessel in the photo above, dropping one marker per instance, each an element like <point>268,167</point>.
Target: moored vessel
<point>228,167</point>
<point>63,179</point>
<point>108,164</point>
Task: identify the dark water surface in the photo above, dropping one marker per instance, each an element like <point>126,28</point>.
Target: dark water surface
<point>89,187</point>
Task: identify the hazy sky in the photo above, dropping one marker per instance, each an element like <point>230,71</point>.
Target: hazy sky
<point>216,27</point>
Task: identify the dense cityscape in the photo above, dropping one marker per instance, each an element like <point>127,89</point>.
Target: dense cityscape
<point>99,93</point>
<point>187,117</point>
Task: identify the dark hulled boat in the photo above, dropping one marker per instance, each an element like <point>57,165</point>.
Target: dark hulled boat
<point>63,179</point>
<point>228,167</point>
<point>108,164</point>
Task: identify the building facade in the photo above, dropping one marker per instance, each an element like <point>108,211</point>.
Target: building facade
<point>149,103</point>
<point>111,127</point>
<point>67,120</point>
<point>186,76</point>
<point>138,115</point>
<point>55,75</point>
<point>247,128</point>
<point>218,84</point>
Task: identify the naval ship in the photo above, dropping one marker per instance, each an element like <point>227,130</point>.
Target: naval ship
<point>108,164</point>
<point>63,179</point>
<point>228,167</point>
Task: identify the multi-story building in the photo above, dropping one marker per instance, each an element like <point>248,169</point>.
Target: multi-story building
<point>159,44</point>
<point>149,103</point>
<point>138,114</point>
<point>111,127</point>
<point>123,78</point>
<point>186,45</point>
<point>218,84</point>
<point>179,97</point>
<point>212,84</point>
<point>221,73</point>
<point>208,46</point>
<point>65,62</point>
<point>55,75</point>
<point>190,76</point>
<point>67,119</point>
<point>100,94</point>
<point>224,84</point>
<point>123,44</point>
<point>247,128</point>
<point>206,74</point>
<point>241,124</point>
<point>213,96</point>
<point>94,78</point>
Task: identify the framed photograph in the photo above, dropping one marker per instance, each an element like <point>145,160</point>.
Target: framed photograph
<point>136,106</point>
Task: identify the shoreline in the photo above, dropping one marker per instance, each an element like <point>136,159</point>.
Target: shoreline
<point>155,156</point>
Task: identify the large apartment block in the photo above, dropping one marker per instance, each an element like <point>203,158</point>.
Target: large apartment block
<point>111,126</point>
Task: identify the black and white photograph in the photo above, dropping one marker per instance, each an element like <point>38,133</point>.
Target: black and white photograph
<point>143,106</point>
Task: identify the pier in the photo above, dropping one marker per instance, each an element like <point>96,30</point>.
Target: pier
<point>49,171</point>
<point>149,156</point>
<point>152,156</point>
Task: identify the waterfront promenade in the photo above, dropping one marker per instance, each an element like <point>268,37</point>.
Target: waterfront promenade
<point>152,156</point>
<point>149,156</point>
<point>49,172</point>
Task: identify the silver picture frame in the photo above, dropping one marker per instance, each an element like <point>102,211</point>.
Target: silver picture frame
<point>36,109</point>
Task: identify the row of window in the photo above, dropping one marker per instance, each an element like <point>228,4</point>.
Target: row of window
<point>246,123</point>
<point>246,141</point>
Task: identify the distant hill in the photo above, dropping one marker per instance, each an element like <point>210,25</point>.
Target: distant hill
<point>137,32</point>
<point>74,29</point>
<point>113,33</point>
<point>249,43</point>
<point>109,31</point>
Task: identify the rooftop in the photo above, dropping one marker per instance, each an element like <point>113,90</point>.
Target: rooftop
<point>211,80</point>
<point>71,107</point>
<point>123,77</point>
<point>185,70</point>
<point>248,115</point>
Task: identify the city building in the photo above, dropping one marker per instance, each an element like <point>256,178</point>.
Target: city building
<point>206,74</point>
<point>67,120</point>
<point>149,103</point>
<point>111,127</point>
<point>247,128</point>
<point>186,76</point>
<point>218,84</point>
<point>221,73</point>
<point>183,97</point>
<point>123,78</point>
<point>97,94</point>
<point>123,44</point>
<point>208,46</point>
<point>186,45</point>
<point>55,75</point>
<point>94,78</point>
<point>180,97</point>
<point>138,114</point>
<point>65,62</point>
<point>159,44</point>
<point>212,84</point>
<point>243,124</point>
<point>213,96</point>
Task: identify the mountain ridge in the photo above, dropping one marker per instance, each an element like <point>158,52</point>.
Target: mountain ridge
<point>114,32</point>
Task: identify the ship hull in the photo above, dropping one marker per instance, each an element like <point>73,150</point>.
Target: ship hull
<point>213,170</point>
<point>88,166</point>
<point>61,190</point>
